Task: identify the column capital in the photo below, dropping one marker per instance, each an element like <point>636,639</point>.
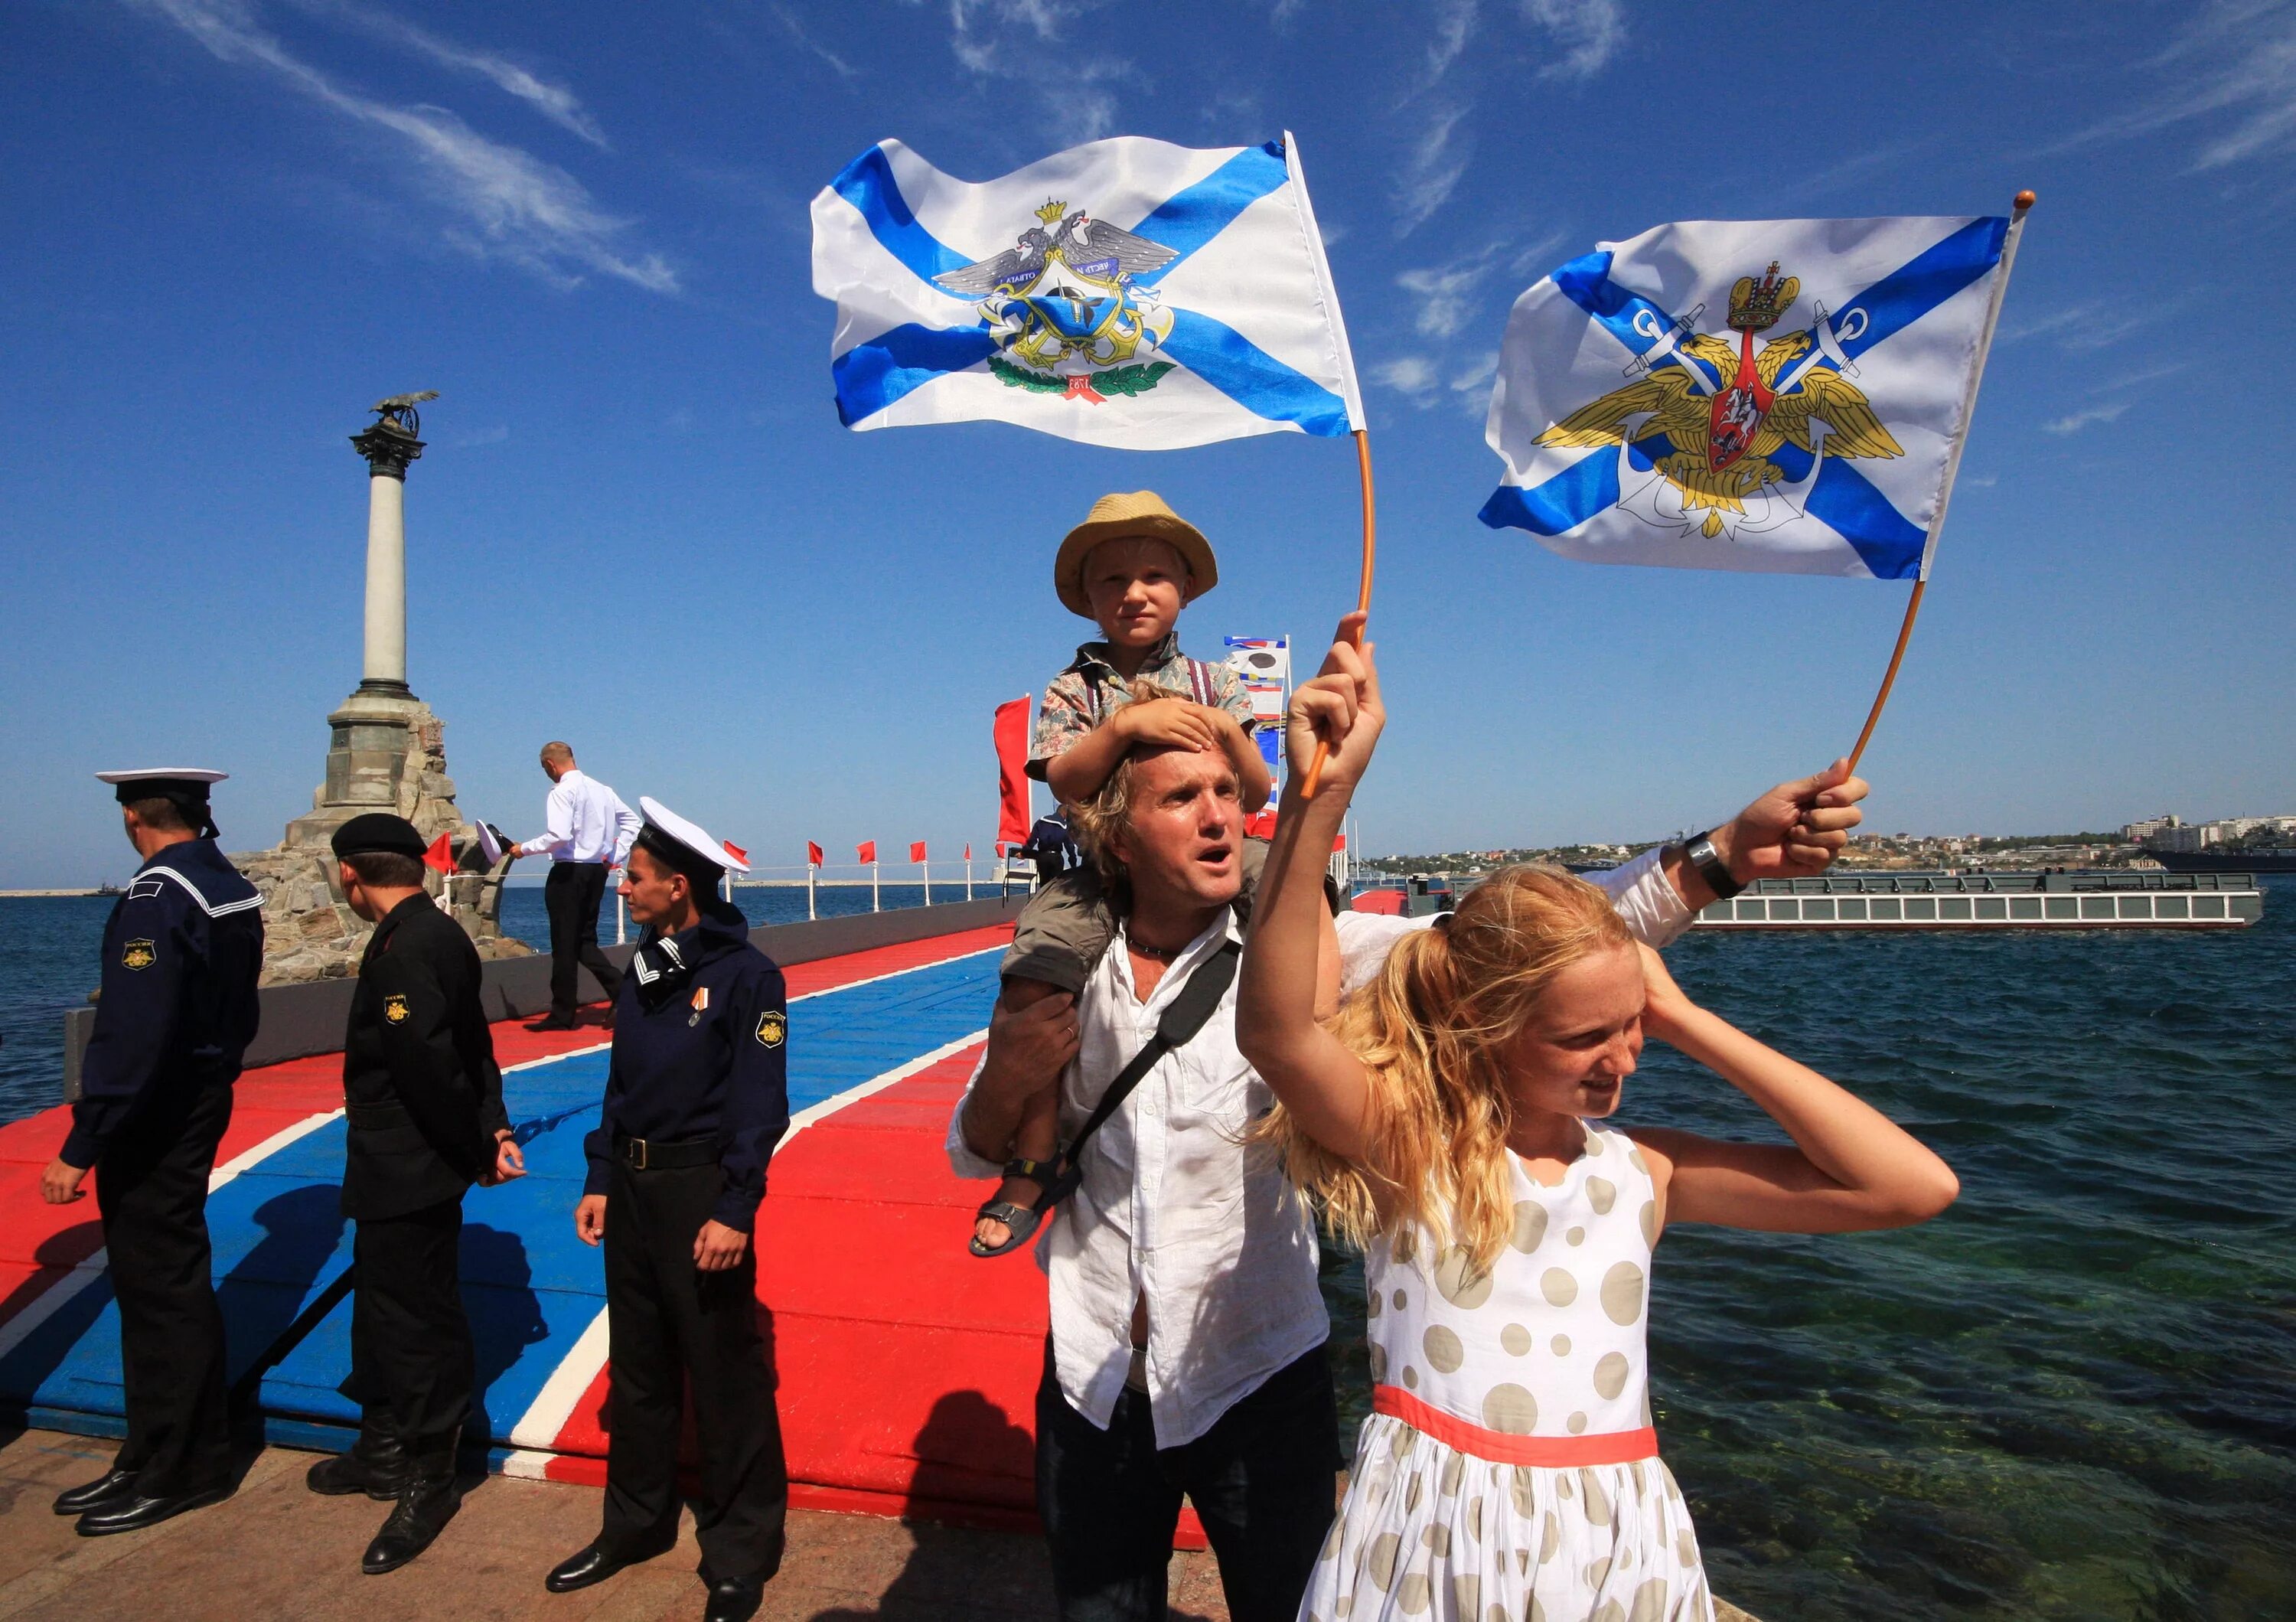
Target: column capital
<point>388,449</point>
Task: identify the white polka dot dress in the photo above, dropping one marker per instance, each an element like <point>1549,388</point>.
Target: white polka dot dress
<point>1509,1472</point>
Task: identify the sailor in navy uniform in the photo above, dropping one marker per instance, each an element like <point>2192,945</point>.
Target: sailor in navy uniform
<point>696,1099</point>
<point>181,951</point>
<point>424,1097</point>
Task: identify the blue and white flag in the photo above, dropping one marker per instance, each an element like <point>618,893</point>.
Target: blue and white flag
<point>1645,419</point>
<point>1127,292</point>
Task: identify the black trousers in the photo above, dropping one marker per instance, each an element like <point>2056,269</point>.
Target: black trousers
<point>151,1192</point>
<point>570,895</point>
<point>412,1362</point>
<point>1263,1479</point>
<point>674,1329</point>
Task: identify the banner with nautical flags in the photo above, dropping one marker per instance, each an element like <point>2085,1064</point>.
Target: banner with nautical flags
<point>1787,396</point>
<point>1126,292</point>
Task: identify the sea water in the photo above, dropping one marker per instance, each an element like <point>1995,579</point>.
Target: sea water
<point>2072,1396</point>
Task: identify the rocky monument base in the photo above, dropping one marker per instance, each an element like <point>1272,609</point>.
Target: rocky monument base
<point>388,754</point>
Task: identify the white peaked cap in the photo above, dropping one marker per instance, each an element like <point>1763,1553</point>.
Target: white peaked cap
<point>693,836</point>
<point>178,773</point>
<point>490,844</point>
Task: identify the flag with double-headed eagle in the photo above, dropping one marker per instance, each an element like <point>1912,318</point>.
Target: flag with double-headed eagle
<point>1788,396</point>
<point>1126,292</point>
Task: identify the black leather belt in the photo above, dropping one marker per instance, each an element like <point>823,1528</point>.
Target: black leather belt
<point>377,1117</point>
<point>639,1154</point>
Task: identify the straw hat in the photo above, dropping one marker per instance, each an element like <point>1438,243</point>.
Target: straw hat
<point>1140,514</point>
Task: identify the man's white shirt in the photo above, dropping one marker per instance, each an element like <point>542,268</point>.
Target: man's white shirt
<point>1175,1210</point>
<point>587,823</point>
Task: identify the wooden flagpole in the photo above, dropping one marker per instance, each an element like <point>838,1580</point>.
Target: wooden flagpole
<point>1363,591</point>
<point>2023,201</point>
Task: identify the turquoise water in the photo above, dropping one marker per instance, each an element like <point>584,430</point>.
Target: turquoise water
<point>2073,1396</point>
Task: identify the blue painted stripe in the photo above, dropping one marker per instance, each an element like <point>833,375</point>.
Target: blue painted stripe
<point>1925,282</point>
<point>1252,378</point>
<point>1561,503</point>
<point>867,182</point>
<point>872,375</point>
<point>1189,219</point>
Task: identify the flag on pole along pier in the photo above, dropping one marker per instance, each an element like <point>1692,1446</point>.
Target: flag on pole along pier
<point>1011,733</point>
<point>1126,292</point>
<point>916,850</point>
<point>1787,396</point>
<point>867,853</point>
<point>812,854</point>
<point>441,853</point>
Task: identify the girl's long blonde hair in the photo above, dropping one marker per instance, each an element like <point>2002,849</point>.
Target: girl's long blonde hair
<point>1432,1031</point>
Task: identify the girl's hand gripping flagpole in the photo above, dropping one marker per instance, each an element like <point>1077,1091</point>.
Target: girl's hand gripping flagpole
<point>2023,202</point>
<point>1362,597</point>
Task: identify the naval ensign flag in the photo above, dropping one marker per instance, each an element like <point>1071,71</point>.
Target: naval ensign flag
<point>1789,395</point>
<point>1127,292</point>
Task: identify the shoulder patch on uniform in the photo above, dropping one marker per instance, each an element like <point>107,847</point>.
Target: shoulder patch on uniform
<point>394,1008</point>
<point>138,954</point>
<point>772,1028</point>
<point>144,890</point>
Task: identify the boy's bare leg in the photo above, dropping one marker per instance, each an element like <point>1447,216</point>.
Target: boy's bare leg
<point>1038,1134</point>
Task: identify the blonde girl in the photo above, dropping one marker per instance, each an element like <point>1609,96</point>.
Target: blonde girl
<point>1448,1122</point>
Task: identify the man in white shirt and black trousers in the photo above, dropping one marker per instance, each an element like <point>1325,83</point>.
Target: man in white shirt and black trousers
<point>1187,1356</point>
<point>590,831</point>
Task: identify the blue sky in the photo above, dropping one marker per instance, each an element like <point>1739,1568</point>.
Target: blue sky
<point>231,224</point>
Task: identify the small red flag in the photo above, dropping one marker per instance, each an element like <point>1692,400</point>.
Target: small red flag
<point>865,853</point>
<point>968,853</point>
<point>441,855</point>
<point>916,850</point>
<point>812,854</point>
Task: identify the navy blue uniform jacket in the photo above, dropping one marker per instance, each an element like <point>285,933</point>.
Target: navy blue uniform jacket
<point>700,1050</point>
<point>419,1072</point>
<point>181,951</point>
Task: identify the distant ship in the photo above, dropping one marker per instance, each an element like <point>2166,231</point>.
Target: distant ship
<point>107,889</point>
<point>2281,859</point>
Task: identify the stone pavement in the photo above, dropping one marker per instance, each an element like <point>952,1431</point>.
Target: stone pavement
<point>276,1549</point>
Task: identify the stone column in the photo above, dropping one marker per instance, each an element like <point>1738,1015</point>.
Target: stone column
<point>388,449</point>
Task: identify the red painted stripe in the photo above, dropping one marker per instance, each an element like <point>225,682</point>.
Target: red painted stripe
<point>1612,1447</point>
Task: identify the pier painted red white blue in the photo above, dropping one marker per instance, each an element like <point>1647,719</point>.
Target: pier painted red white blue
<point>907,1368</point>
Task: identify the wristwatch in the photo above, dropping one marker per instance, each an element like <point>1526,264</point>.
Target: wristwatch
<point>1701,854</point>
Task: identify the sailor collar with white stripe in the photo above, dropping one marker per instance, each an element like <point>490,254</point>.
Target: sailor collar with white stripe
<point>232,892</point>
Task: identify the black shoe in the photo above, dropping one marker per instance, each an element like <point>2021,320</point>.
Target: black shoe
<point>132,1512</point>
<point>378,1467</point>
<point>593,1562</point>
<point>424,1510</point>
<point>552,1022</point>
<point>733,1601</point>
<point>111,1483</point>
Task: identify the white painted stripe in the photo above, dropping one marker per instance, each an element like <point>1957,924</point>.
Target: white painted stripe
<point>553,1404</point>
<point>538,1427</point>
<point>894,974</point>
<point>571,1052</point>
<point>14,1331</point>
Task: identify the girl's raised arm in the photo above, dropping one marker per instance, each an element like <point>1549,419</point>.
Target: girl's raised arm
<point>1850,1166</point>
<point>1321,1082</point>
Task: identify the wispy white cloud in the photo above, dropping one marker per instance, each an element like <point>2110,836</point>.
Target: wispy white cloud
<point>2073,422</point>
<point>554,102</point>
<point>2151,374</point>
<point>1008,39</point>
<point>1588,34</point>
<point>2232,68</point>
<point>1983,481</point>
<point>1414,376</point>
<point>506,202</point>
<point>1472,385</point>
<point>1432,169</point>
<point>1454,23</point>
<point>499,434</point>
<point>807,41</point>
<point>1444,294</point>
<point>1281,13</point>
<point>2086,327</point>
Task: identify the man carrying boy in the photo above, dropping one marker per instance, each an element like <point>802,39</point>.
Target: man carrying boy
<point>1130,566</point>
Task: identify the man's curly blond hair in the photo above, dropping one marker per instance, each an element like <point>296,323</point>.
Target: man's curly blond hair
<point>1096,822</point>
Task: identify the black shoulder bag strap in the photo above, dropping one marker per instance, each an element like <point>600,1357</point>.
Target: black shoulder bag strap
<point>1182,1017</point>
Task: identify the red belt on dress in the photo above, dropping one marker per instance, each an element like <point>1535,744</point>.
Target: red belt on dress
<point>1505,1447</point>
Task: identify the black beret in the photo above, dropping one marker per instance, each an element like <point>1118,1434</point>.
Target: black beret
<point>379,830</point>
